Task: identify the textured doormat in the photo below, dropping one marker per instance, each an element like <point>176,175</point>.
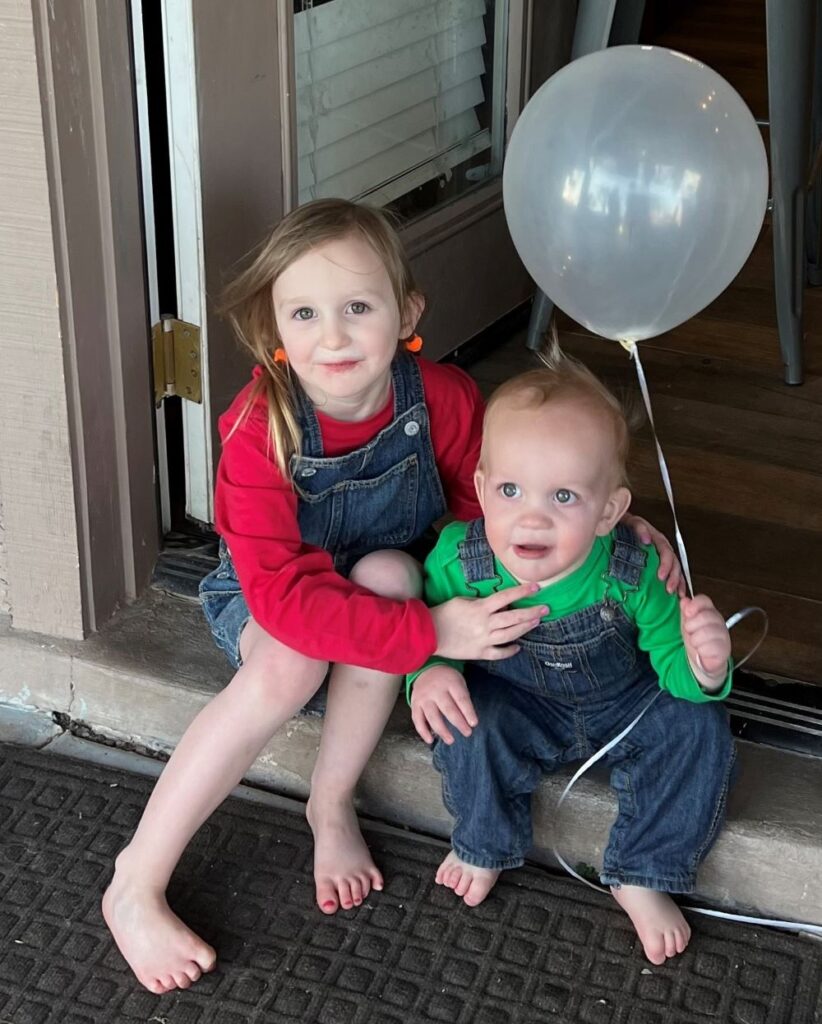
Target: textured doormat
<point>539,949</point>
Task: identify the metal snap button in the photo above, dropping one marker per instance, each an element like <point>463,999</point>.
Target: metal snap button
<point>308,471</point>
<point>412,428</point>
<point>606,614</point>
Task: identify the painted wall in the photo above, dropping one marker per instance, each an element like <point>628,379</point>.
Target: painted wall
<point>39,555</point>
<point>5,607</point>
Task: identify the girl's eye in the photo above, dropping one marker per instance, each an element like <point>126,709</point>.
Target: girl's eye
<point>303,313</point>
<point>509,490</point>
<point>564,497</point>
<point>358,307</point>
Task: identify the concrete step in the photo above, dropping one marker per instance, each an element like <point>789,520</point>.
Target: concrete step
<point>139,683</point>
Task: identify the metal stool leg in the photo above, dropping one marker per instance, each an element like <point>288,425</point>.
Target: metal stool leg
<point>593,27</point>
<point>538,324</point>
<point>813,219</point>
<point>790,29</point>
<point>627,22</point>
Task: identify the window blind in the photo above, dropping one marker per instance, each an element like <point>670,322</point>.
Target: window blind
<point>387,94</point>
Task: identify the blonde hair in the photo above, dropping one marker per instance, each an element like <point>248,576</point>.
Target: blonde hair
<point>248,303</point>
<point>563,377</point>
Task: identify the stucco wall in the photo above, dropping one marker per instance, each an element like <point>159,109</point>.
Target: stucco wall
<point>39,553</point>
<point>5,608</point>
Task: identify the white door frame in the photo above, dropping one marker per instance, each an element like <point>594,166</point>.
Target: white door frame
<point>184,167</point>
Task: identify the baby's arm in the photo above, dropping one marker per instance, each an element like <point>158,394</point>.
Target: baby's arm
<point>440,696</point>
<point>707,641</point>
<point>672,650</point>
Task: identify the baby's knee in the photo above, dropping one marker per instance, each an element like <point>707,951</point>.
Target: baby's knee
<point>389,573</point>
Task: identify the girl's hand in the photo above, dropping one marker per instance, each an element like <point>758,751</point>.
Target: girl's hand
<point>669,567</point>
<point>707,641</point>
<point>472,629</point>
<point>441,694</point>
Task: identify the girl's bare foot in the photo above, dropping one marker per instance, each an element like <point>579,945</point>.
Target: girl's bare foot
<point>163,953</point>
<point>658,921</point>
<point>344,873</point>
<point>468,881</point>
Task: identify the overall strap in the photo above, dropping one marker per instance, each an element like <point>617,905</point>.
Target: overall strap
<point>406,382</point>
<point>628,557</point>
<point>312,442</point>
<point>475,554</point>
<point>406,378</point>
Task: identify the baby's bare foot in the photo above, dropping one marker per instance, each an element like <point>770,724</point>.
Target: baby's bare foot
<point>344,873</point>
<point>468,881</point>
<point>163,953</point>
<point>658,921</point>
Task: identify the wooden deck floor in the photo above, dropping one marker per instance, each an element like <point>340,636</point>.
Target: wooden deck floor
<point>744,449</point>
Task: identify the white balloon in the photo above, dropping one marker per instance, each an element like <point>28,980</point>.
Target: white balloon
<point>635,186</point>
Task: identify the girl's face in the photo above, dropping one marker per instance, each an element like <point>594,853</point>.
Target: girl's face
<point>339,323</point>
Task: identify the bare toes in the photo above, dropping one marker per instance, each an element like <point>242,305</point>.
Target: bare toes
<point>194,972</point>
<point>327,896</point>
<point>344,889</point>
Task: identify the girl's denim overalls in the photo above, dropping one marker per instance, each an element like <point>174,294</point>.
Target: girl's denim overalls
<point>383,495</point>
<point>576,683</point>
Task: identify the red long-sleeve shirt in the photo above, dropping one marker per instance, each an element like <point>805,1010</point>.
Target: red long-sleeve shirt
<point>291,587</point>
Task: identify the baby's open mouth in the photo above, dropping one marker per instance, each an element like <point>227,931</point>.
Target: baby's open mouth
<point>530,550</point>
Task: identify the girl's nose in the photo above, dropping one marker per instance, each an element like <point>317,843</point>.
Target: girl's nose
<point>335,335</point>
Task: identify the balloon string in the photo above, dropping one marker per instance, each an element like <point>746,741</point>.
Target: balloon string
<point>633,350</point>
<point>800,926</point>
<point>814,929</point>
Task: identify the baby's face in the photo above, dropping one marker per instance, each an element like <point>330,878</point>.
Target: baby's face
<point>547,487</point>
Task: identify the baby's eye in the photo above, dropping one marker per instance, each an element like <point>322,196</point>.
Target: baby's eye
<point>565,497</point>
<point>358,307</point>
<point>303,313</point>
<point>509,490</point>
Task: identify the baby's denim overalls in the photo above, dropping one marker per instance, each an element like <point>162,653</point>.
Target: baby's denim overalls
<point>383,495</point>
<point>575,684</point>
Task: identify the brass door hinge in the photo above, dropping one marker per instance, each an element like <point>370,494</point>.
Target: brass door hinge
<point>176,357</point>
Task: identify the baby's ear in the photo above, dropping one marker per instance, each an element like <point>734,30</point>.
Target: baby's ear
<point>615,508</point>
<point>414,309</point>
<point>479,487</point>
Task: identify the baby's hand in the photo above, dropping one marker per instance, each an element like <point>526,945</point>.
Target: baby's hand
<point>707,641</point>
<point>438,694</point>
<point>670,571</point>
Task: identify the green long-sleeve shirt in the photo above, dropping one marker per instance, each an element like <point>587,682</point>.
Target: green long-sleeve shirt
<point>654,611</point>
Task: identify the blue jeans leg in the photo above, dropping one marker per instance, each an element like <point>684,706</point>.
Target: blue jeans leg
<point>671,775</point>
<point>489,777</point>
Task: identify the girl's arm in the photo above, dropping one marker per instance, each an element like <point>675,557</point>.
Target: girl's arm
<point>455,411</point>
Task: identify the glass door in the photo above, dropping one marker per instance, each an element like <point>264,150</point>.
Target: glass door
<point>401,103</point>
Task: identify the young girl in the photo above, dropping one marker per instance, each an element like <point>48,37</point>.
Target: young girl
<point>342,451</point>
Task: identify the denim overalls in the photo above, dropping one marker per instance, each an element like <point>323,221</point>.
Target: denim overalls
<point>576,683</point>
<point>383,495</point>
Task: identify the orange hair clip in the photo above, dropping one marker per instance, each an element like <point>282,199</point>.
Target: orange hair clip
<point>414,343</point>
<point>280,355</point>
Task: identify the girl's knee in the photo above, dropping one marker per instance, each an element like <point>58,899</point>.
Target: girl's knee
<point>389,573</point>
<point>272,671</point>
